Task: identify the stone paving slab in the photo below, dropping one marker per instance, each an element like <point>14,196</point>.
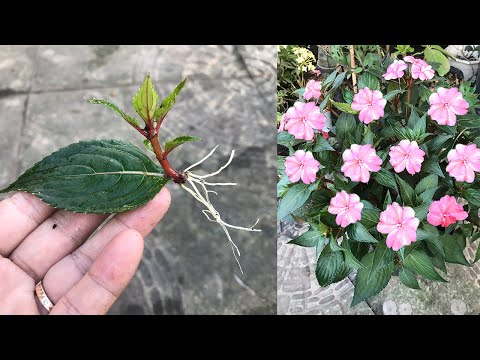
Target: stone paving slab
<point>187,265</point>
<point>61,67</point>
<point>299,292</point>
<point>11,115</point>
<point>16,68</point>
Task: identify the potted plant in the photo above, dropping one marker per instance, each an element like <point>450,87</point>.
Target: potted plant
<point>466,58</point>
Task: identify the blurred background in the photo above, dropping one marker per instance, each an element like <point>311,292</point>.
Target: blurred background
<point>187,266</point>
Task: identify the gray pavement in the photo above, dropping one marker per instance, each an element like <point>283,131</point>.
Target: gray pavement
<point>187,266</point>
<point>299,292</point>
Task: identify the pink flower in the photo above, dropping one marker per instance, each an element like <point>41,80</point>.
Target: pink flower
<point>283,120</point>
<point>395,70</point>
<point>420,69</point>
<point>347,207</point>
<point>312,90</point>
<point>406,155</point>
<point>446,104</point>
<point>301,165</point>
<point>370,103</point>
<point>400,224</point>
<point>303,118</point>
<point>359,160</point>
<point>463,161</point>
<point>445,211</point>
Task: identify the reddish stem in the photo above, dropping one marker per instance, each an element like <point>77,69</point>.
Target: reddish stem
<point>409,84</point>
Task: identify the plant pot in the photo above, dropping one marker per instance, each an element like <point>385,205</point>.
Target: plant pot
<point>468,67</point>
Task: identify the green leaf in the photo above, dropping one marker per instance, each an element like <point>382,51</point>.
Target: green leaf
<point>322,144</point>
<point>99,176</point>
<point>437,141</point>
<point>445,52</point>
<point>408,278</point>
<point>385,178</point>
<point>469,121</point>
<point>370,217</point>
<point>421,211</point>
<point>345,107</point>
<point>388,199</point>
<point>329,263</point>
<point>406,192</point>
<point>131,120</point>
<point>413,119</point>
<point>472,196</point>
<point>329,79</point>
<point>358,232</point>
<point>148,145</point>
<point>368,137</point>
<point>145,101</point>
<point>350,260</point>
<point>372,279</point>
<point>428,182</point>
<point>427,195</point>
<point>391,94</point>
<point>348,95</point>
<point>454,249</point>
<point>435,56</point>
<point>345,125</point>
<point>169,101</point>
<point>286,139</point>
<point>419,262</point>
<point>420,126</point>
<point>431,166</point>
<point>173,143</point>
<point>309,239</point>
<point>368,80</point>
<point>295,197</point>
<point>338,80</point>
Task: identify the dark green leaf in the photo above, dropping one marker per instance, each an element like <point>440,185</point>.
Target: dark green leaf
<point>388,199</point>
<point>454,249</point>
<point>145,101</point>
<point>472,196</point>
<point>281,186</point>
<point>348,95</point>
<point>370,217</point>
<point>309,239</point>
<point>406,192</point>
<point>419,262</point>
<point>169,101</point>
<point>420,127</point>
<point>469,121</point>
<point>413,119</point>
<point>451,130</point>
<point>385,178</point>
<point>131,120</point>
<point>391,94</point>
<point>286,139</point>
<point>173,143</point>
<point>329,263</point>
<point>295,197</point>
<point>372,279</point>
<point>345,107</point>
<point>100,176</point>
<point>368,80</point>
<point>345,125</point>
<point>431,166</point>
<point>322,144</point>
<point>427,195</point>
<point>329,79</point>
<point>437,141</point>
<point>408,278</point>
<point>421,211</point>
<point>358,232</point>
<point>338,80</point>
<point>428,182</point>
<point>350,260</point>
<point>368,137</point>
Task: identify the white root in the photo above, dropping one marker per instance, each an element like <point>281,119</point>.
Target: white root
<point>193,179</point>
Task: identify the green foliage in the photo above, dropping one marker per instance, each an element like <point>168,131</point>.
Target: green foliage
<point>99,176</point>
<point>169,101</point>
<point>362,246</point>
<point>173,143</point>
<point>145,101</point>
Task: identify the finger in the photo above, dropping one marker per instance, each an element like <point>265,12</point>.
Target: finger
<point>55,238</point>
<point>109,275</point>
<point>68,271</point>
<point>20,214</point>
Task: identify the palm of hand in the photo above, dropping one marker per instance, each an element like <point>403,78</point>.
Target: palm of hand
<point>81,273</point>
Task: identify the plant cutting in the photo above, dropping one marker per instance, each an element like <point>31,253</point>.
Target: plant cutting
<point>112,176</point>
<point>390,186</point>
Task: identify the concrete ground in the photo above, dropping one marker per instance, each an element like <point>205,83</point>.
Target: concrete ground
<point>229,100</point>
<point>299,292</point>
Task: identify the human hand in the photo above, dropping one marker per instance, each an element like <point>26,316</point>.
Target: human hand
<point>80,276</point>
